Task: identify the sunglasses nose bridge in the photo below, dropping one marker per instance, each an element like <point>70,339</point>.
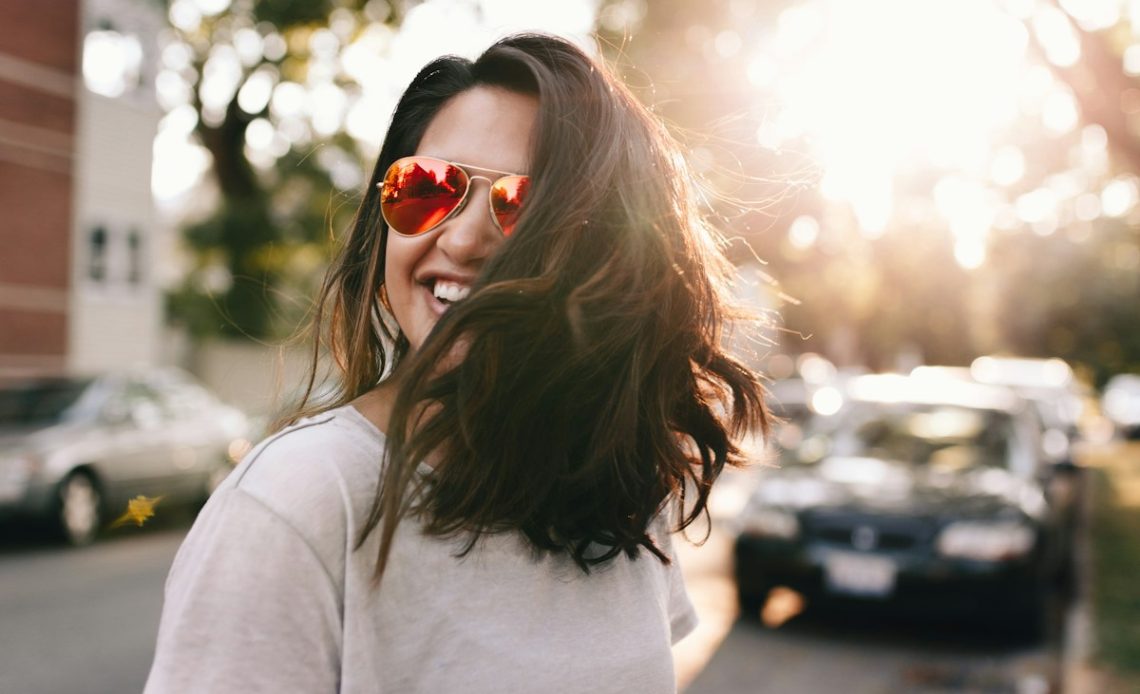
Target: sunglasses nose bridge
<point>471,194</point>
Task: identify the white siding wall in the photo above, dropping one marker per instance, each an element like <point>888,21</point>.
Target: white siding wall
<point>256,378</point>
<point>116,320</point>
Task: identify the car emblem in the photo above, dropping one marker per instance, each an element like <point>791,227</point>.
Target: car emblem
<point>864,538</point>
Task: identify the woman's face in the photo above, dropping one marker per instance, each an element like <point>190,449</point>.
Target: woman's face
<point>484,127</point>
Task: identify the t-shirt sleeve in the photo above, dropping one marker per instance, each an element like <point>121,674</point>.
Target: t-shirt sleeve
<point>249,607</point>
<point>682,616</point>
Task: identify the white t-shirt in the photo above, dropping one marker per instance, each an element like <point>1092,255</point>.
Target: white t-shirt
<point>267,595</point>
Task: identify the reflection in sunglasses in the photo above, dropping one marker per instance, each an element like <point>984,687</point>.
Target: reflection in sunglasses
<point>418,193</point>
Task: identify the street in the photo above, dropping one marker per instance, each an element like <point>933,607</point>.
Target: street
<point>84,620</point>
<point>813,652</point>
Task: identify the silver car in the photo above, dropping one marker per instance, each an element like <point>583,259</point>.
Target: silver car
<point>74,451</point>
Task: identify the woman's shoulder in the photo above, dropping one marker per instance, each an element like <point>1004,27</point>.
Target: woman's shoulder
<point>315,470</point>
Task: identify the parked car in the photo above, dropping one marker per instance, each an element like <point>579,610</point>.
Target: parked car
<point>1057,398</point>
<point>1122,404</point>
<point>1050,386</point>
<point>911,497</point>
<point>74,449</point>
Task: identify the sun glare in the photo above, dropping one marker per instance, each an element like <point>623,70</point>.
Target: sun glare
<point>884,87</point>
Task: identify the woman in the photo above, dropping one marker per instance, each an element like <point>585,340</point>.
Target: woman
<point>526,317</point>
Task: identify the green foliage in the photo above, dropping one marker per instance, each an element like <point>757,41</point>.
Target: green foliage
<point>1073,299</point>
<point>869,301</point>
<point>257,258</point>
<point>285,14</point>
<point>1116,564</point>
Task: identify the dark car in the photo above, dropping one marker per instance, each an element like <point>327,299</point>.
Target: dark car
<point>1048,385</point>
<point>909,496</point>
<point>74,449</point>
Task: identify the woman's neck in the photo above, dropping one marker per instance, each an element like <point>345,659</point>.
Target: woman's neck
<point>376,405</point>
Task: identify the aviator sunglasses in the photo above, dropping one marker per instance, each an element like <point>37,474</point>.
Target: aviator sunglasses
<point>419,193</point>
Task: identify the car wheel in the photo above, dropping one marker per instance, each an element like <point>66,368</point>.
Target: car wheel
<point>80,509</point>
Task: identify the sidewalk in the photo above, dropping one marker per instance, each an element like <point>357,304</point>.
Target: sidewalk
<point>1110,498</point>
<point>1077,639</point>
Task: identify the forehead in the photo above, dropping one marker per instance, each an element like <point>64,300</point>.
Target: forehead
<point>488,127</point>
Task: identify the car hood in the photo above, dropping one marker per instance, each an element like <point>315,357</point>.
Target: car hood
<point>35,439</point>
<point>882,486</point>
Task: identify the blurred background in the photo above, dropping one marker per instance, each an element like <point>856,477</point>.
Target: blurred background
<point>945,190</point>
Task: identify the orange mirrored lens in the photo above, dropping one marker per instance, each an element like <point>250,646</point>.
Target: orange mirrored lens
<point>507,197</point>
<point>418,193</point>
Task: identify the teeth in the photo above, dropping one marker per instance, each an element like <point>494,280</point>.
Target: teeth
<point>450,291</point>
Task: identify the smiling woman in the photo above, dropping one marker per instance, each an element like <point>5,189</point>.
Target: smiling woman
<point>527,318</point>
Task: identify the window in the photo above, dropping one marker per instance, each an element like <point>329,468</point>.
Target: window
<point>134,257</point>
<point>97,255</point>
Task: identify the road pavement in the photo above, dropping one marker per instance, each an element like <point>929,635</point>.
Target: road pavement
<point>82,620</point>
<point>813,651</point>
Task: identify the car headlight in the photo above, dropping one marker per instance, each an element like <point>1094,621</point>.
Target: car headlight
<point>760,521</point>
<point>15,474</point>
<point>986,541</point>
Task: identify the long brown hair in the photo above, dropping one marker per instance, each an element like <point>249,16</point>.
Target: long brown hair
<point>592,386</point>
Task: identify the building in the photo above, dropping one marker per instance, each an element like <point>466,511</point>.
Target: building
<point>39,57</point>
<point>116,312</point>
<point>78,117</point>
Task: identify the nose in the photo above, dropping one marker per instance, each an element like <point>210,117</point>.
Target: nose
<point>471,235</point>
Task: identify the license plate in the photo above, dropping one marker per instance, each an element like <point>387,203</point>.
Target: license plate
<point>862,575</point>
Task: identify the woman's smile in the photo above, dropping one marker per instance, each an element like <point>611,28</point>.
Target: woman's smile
<point>445,291</point>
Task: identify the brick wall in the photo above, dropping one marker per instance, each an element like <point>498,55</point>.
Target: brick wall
<point>39,56</point>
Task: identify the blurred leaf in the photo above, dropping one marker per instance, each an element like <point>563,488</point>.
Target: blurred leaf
<point>139,510</point>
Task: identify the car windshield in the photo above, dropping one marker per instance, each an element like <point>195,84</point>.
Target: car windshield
<point>941,437</point>
<point>39,402</point>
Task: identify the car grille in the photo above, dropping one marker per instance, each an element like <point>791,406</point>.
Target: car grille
<point>868,533</point>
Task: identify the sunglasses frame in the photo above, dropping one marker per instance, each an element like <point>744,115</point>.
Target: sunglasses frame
<point>465,168</point>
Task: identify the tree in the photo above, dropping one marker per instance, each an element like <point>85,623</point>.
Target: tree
<point>255,74</point>
<point>1061,249</point>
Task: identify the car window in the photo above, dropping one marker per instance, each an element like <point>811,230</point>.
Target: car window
<point>943,438</point>
<point>41,402</point>
<point>136,403</point>
<point>183,400</point>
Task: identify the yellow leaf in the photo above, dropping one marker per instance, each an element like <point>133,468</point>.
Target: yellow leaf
<point>139,510</point>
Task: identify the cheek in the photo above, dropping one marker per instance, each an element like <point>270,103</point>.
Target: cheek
<point>397,263</point>
<point>401,257</point>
